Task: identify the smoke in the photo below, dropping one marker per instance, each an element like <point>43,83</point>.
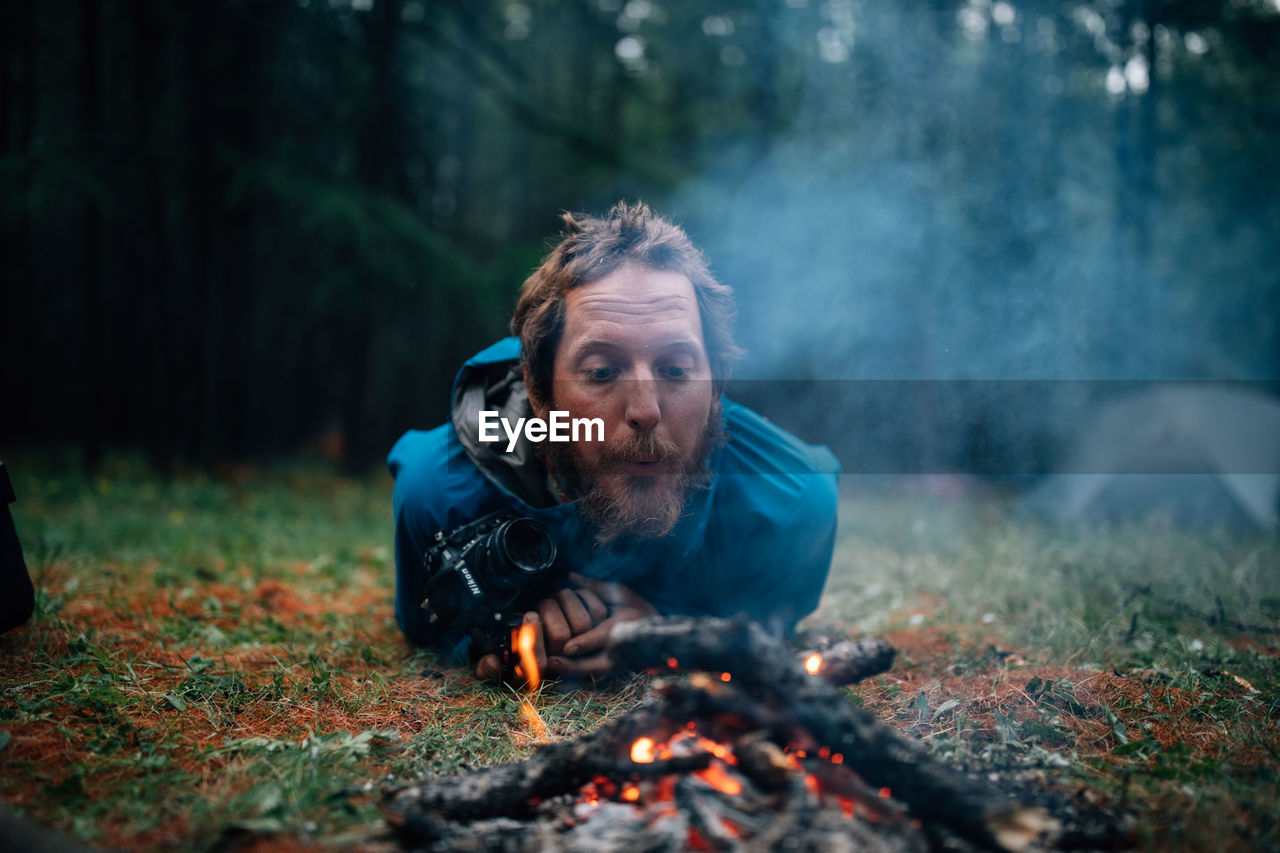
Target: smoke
<point>942,206</point>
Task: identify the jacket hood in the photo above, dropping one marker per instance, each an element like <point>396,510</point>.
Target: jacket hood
<point>492,380</point>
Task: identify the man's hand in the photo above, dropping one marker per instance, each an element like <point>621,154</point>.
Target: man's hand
<point>575,625</point>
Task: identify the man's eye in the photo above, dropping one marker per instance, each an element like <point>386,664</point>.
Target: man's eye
<point>673,372</point>
<point>600,374</point>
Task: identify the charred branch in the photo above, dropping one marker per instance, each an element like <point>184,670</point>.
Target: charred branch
<point>748,752</point>
<point>768,671</point>
<point>850,661</point>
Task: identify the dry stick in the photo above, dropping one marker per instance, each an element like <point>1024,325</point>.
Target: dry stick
<point>850,661</point>
<point>764,668</point>
<point>555,769</point>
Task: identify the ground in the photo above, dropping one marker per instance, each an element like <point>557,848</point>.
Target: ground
<point>214,663</point>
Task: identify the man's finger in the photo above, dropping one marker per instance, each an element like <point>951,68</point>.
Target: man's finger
<point>555,628</point>
<point>575,611</point>
<point>592,640</point>
<point>614,594</point>
<point>594,666</point>
<point>598,609</point>
<point>611,593</point>
<point>488,668</point>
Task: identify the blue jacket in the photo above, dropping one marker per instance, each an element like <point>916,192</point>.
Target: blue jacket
<point>758,541</point>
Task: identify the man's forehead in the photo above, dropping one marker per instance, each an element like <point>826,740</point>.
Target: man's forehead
<point>632,295</point>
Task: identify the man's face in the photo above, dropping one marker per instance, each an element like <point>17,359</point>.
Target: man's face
<point>632,354</point>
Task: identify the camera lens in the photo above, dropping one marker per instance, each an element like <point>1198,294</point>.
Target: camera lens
<point>524,545</point>
<point>488,574</point>
<point>513,554</point>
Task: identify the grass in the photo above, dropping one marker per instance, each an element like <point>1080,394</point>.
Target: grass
<point>214,662</point>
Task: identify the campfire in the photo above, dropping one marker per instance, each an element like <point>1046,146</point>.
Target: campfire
<point>744,746</point>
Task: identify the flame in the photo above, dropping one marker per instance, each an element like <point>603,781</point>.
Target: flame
<point>656,798</point>
<point>642,751</point>
<point>813,663</point>
<point>715,776</point>
<point>525,638</point>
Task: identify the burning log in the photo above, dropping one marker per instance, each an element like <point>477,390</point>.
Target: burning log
<point>849,661</point>
<point>752,751</point>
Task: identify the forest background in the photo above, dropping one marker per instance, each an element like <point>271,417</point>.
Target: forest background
<point>243,230</point>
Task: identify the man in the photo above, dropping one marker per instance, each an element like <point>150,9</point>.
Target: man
<point>681,502</point>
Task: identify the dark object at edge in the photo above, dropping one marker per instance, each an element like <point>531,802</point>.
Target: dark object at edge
<point>17,597</point>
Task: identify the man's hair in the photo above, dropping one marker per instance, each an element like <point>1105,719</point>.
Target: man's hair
<point>592,248</point>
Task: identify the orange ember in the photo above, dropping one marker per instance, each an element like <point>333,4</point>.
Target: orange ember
<point>694,841</point>
<point>885,793</point>
<point>533,720</point>
<point>813,663</point>
<point>731,827</point>
<point>642,751</point>
<point>715,776</point>
<point>672,663</point>
<point>724,676</point>
<point>719,750</point>
<point>631,793</point>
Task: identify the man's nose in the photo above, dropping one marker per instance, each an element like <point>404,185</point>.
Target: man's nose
<point>643,409</point>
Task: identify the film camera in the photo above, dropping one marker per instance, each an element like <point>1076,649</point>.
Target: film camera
<point>481,577</point>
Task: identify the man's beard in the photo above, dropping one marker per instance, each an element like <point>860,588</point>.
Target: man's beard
<point>645,506</point>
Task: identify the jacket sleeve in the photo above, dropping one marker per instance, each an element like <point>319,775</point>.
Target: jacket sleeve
<point>789,560</point>
<point>776,522</point>
<point>436,488</point>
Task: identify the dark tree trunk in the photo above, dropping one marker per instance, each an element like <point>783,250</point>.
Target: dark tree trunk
<point>1148,142</point>
<point>367,416</point>
<point>17,97</point>
<point>96,363</point>
<point>152,269</point>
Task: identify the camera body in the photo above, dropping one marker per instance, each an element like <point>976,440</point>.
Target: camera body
<point>482,577</point>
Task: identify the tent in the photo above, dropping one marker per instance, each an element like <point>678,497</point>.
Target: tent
<point>1200,454</point>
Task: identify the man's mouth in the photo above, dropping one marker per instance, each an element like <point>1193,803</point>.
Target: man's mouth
<point>640,466</point>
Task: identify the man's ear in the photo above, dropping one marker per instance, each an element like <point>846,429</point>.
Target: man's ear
<point>539,408</point>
